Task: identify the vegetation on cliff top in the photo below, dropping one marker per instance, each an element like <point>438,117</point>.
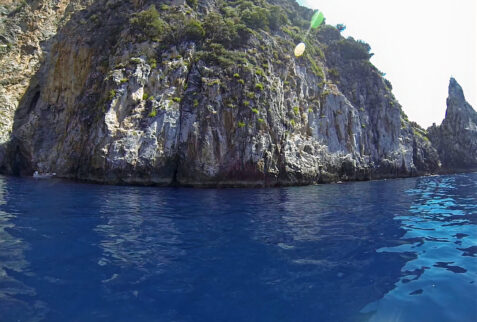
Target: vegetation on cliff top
<point>245,40</point>
<point>222,35</point>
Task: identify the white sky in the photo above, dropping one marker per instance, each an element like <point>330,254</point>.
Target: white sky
<point>419,44</point>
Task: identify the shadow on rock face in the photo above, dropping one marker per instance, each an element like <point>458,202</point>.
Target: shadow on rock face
<point>56,114</point>
<point>113,106</point>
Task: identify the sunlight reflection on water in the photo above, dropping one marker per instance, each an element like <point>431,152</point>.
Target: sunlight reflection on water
<point>442,227</point>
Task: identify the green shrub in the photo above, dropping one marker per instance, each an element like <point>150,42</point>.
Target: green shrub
<point>292,123</point>
<point>230,12</point>
<point>325,93</point>
<point>217,54</point>
<point>261,120</point>
<point>236,75</point>
<point>246,103</point>
<point>112,94</point>
<point>153,113</point>
<point>149,23</point>
<point>293,32</point>
<point>176,99</point>
<point>351,49</point>
<point>214,82</point>
<point>420,133</point>
<point>254,110</point>
<point>259,71</point>
<point>227,32</point>
<point>194,30</point>
<point>276,17</point>
<point>255,17</point>
<point>251,95</point>
<point>145,96</point>
<point>195,103</point>
<point>123,80</point>
<point>296,110</point>
<point>259,86</point>
<point>241,81</point>
<point>315,68</point>
<point>327,34</point>
<point>241,124</point>
<point>152,62</point>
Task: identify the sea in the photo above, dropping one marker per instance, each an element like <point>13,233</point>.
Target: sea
<point>390,250</point>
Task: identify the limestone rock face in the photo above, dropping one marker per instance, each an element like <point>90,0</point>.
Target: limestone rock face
<point>107,105</point>
<point>456,138</point>
<point>26,32</point>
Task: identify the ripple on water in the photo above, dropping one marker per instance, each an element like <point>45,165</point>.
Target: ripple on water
<point>17,299</point>
<point>441,278</point>
<point>397,250</point>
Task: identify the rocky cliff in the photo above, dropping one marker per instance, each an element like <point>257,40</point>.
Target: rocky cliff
<point>26,32</point>
<point>456,138</point>
<point>201,93</point>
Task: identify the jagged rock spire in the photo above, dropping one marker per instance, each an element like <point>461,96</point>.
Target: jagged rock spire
<point>456,99</point>
<point>456,138</point>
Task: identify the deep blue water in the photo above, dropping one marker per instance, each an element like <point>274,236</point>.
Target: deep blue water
<point>397,250</point>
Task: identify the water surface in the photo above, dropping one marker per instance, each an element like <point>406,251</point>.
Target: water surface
<point>396,250</point>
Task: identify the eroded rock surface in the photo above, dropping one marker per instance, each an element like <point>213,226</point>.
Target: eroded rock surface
<point>207,107</point>
<point>456,138</point>
<point>26,30</point>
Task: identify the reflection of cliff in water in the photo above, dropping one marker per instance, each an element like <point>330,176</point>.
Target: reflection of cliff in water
<point>441,227</point>
<point>13,268</point>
